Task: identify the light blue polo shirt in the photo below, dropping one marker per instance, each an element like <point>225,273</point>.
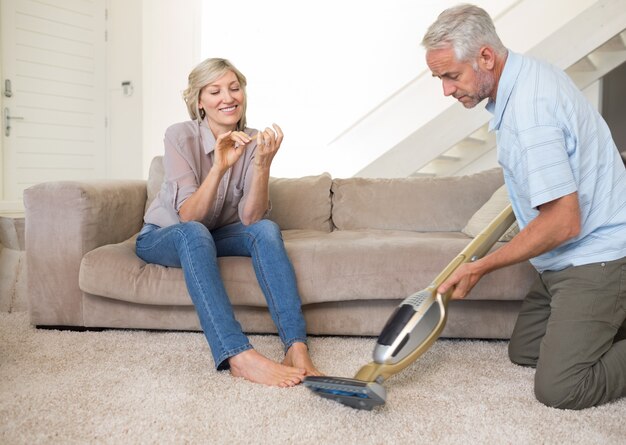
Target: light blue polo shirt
<point>551,142</point>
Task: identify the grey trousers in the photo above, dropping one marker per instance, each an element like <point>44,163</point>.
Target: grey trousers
<point>572,328</point>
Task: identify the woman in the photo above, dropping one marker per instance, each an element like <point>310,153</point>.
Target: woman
<point>212,203</point>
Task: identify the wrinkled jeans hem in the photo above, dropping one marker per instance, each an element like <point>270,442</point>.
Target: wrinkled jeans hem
<point>289,344</point>
<point>222,361</point>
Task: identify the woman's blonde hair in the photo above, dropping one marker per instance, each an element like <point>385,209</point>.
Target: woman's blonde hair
<point>202,75</point>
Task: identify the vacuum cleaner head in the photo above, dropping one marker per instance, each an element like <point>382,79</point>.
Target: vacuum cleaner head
<point>412,328</point>
<point>351,392</point>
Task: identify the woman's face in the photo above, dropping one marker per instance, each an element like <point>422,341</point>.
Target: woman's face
<point>222,102</point>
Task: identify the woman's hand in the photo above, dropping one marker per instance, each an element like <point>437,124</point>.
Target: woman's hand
<point>228,149</point>
<point>267,144</point>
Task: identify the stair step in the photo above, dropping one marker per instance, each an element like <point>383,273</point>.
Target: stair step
<point>583,65</point>
<point>617,43</point>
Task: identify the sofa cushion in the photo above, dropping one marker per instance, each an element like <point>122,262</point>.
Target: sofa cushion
<point>350,265</point>
<point>488,212</point>
<point>416,204</point>
<point>298,203</point>
<point>301,203</point>
<point>155,179</point>
<point>330,267</point>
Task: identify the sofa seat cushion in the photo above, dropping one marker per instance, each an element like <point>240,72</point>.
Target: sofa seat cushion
<point>389,264</point>
<point>115,271</point>
<point>330,267</point>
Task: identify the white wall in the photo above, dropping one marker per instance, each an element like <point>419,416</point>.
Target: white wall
<point>153,44</point>
<point>124,112</point>
<point>316,68</point>
<point>313,68</point>
<point>171,48</point>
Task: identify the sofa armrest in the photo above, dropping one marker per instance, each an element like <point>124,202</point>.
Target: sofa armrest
<point>65,220</point>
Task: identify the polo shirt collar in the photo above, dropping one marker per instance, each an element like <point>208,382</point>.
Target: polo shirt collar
<point>206,135</point>
<point>512,68</point>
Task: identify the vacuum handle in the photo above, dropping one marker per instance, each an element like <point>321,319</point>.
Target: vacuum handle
<point>480,245</point>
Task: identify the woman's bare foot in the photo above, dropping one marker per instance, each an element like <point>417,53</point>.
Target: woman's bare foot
<point>258,369</point>
<point>298,356</point>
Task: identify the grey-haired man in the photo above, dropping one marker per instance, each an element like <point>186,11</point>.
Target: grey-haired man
<point>567,185</point>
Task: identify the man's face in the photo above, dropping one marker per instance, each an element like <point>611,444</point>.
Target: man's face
<point>459,79</point>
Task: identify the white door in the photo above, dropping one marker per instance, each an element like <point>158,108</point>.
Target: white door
<point>53,92</point>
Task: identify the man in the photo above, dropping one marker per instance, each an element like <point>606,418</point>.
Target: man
<point>567,185</point>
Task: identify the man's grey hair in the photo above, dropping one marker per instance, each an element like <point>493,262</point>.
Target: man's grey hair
<point>465,28</point>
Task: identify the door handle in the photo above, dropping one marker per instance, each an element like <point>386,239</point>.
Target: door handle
<point>7,88</point>
<point>7,121</point>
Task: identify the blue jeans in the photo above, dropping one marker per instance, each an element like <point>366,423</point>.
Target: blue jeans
<point>193,247</point>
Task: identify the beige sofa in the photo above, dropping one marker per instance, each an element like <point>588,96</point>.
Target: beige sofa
<point>359,246</point>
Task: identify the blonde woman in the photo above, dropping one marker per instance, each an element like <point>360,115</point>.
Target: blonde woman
<point>212,203</point>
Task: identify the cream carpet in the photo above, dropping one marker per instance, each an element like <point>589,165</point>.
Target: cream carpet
<point>124,387</point>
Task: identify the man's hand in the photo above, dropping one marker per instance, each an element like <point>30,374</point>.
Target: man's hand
<point>557,222</point>
<point>463,280</point>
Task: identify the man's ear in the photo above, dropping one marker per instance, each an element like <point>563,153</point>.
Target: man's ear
<point>487,58</point>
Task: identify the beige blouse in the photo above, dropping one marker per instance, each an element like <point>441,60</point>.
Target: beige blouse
<point>187,161</point>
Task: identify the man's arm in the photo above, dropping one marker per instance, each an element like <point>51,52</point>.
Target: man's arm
<point>557,222</point>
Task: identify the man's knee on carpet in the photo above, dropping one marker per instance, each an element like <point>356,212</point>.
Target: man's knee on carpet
<point>520,353</point>
<point>575,391</point>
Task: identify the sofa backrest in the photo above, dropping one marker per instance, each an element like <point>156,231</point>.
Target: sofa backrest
<point>302,203</point>
<point>298,203</point>
<point>155,179</point>
<point>439,204</point>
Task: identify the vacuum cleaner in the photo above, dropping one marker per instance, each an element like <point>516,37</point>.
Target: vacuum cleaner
<point>410,331</point>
